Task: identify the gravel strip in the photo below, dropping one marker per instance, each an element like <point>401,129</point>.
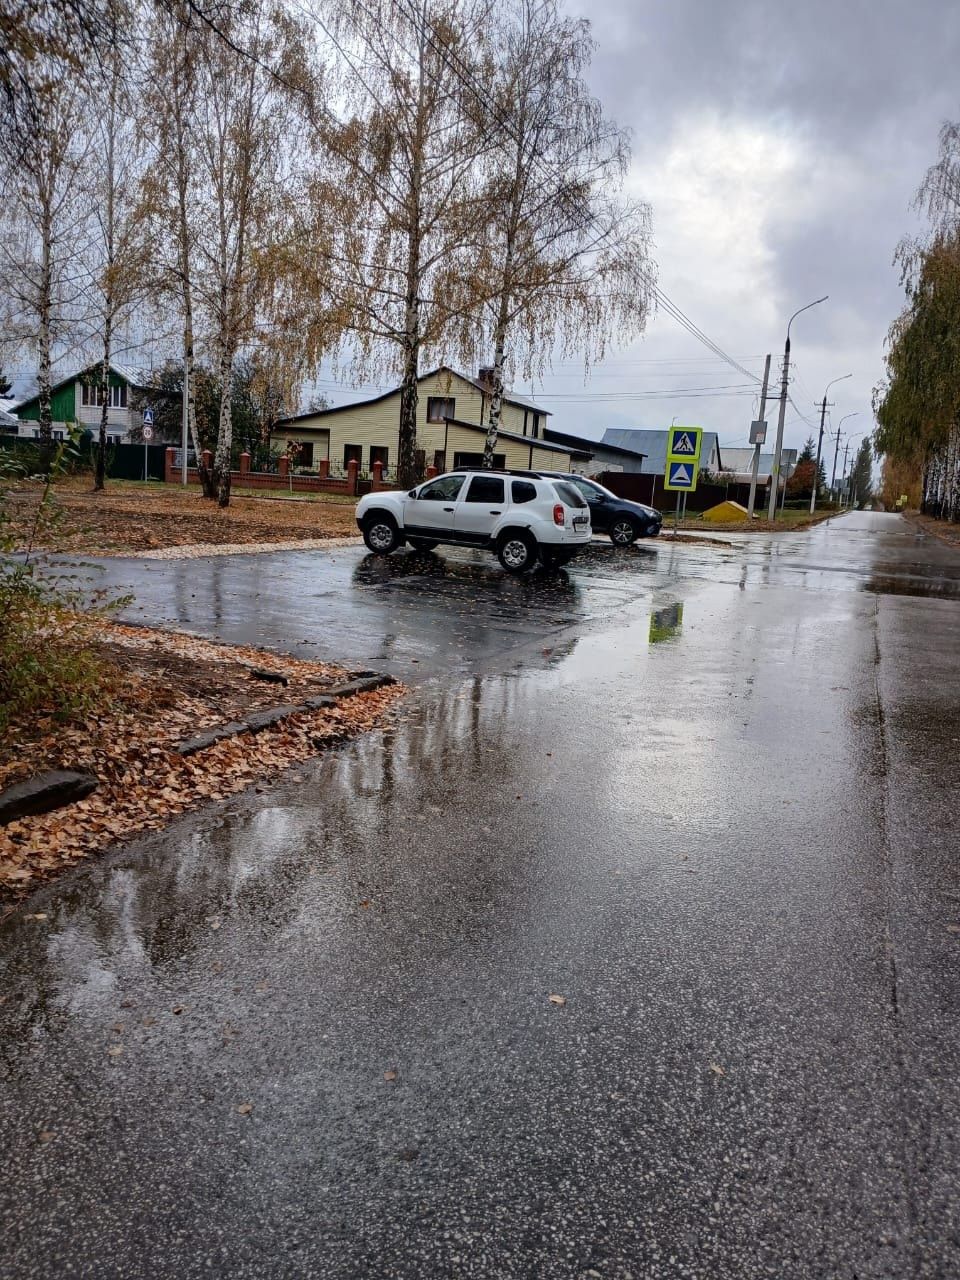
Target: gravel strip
<point>199,550</point>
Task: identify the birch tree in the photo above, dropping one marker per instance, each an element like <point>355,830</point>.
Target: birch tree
<point>243,118</point>
<point>45,225</point>
<point>395,211</point>
<point>566,256</point>
<point>119,266</point>
<point>168,195</point>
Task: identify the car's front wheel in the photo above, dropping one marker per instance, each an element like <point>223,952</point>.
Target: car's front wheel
<point>623,532</point>
<point>381,535</point>
<point>517,551</point>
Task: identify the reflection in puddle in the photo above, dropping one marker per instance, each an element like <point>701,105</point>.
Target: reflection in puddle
<point>666,623</point>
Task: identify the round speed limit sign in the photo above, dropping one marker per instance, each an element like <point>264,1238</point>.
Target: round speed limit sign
<point>148,433</point>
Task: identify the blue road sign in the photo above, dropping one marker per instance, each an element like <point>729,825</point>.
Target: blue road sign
<point>684,443</point>
<point>681,475</point>
<point>148,417</point>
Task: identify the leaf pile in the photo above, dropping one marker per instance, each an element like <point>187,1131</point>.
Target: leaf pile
<point>127,519</point>
<point>166,687</point>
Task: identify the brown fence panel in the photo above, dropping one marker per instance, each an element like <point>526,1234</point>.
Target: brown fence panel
<point>649,489</point>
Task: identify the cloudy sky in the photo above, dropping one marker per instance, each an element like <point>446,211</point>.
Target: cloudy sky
<point>780,147</point>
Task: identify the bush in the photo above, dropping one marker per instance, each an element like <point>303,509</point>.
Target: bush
<point>49,665</point>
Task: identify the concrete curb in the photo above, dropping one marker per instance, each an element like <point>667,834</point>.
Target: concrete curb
<point>257,721</point>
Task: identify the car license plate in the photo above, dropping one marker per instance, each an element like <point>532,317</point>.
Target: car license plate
<point>579,521</point>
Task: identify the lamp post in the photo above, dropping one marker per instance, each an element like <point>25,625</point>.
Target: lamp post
<point>833,477</point>
<point>775,476</point>
<point>823,414</point>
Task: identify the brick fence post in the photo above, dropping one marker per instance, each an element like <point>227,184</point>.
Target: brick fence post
<point>353,471</point>
<point>283,466</point>
<point>244,463</point>
<point>323,468</point>
<point>168,466</point>
<point>431,472</point>
<point>377,481</point>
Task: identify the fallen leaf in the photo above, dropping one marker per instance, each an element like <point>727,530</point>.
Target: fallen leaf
<point>46,1135</point>
<point>214,922</point>
<point>177,1008</point>
<point>953,928</point>
<point>389,1075</point>
<point>244,1108</point>
<point>717,1070</point>
<point>115,1050</point>
<point>558,999</point>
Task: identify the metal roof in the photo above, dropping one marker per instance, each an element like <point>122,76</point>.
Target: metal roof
<point>653,445</point>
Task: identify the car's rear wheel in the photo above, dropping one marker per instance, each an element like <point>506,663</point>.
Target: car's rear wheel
<point>381,534</point>
<point>517,551</point>
<point>623,532</point>
<point>422,544</point>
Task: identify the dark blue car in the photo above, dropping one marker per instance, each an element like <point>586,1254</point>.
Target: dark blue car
<point>622,520</point>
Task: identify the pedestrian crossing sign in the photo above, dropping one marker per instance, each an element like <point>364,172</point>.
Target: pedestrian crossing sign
<point>681,475</point>
<point>683,444</point>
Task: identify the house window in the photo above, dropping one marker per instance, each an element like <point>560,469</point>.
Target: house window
<point>91,395</point>
<point>536,426</point>
<point>474,461</point>
<point>352,453</point>
<point>118,397</point>
<point>305,456</point>
<point>440,460</point>
<point>440,407</point>
<point>379,453</point>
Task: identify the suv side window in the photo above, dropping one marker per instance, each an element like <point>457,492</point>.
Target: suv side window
<point>443,489</point>
<point>523,491</point>
<point>485,489</point>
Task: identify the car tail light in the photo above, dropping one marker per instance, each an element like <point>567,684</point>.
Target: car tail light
<point>559,514</point>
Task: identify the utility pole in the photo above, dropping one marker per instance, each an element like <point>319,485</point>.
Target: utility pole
<point>846,451</point>
<point>775,474</point>
<point>775,469</point>
<point>833,477</point>
<point>823,414</point>
<point>756,447</point>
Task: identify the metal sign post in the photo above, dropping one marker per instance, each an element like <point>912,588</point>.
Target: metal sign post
<point>147,437</point>
<point>683,465</point>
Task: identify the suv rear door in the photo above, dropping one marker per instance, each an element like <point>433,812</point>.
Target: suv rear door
<point>479,508</point>
<point>431,512</point>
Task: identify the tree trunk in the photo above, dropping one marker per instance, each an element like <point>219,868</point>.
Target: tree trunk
<point>221,461</point>
<point>407,469</point>
<point>43,337</point>
<point>496,389</point>
<point>101,468</point>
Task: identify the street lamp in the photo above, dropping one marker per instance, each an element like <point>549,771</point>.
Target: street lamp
<point>833,478</point>
<point>823,414</point>
<point>775,476</point>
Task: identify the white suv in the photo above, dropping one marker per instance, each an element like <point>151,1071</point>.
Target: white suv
<point>519,515</point>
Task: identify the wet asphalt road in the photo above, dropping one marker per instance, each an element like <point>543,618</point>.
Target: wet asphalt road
<point>705,794</point>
